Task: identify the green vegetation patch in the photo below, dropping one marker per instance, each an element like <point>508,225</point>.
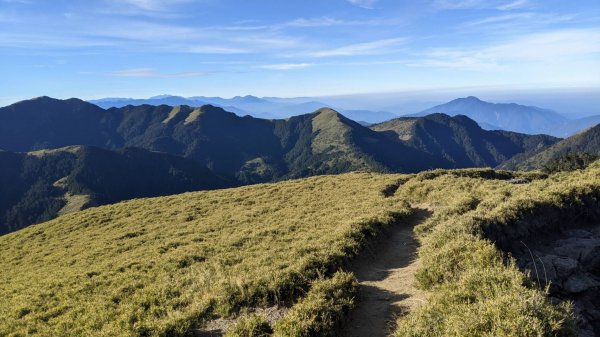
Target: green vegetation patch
<point>322,310</point>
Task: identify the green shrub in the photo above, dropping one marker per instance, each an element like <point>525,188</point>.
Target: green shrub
<point>570,162</point>
<point>250,326</point>
<point>489,301</point>
<point>322,310</point>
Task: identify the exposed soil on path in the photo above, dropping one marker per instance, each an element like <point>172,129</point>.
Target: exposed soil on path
<point>387,285</point>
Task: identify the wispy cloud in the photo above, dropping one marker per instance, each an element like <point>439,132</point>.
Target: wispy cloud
<point>149,72</point>
<point>24,2</point>
<point>513,5</point>
<point>148,36</point>
<point>206,49</point>
<point>285,66</point>
<point>368,4</point>
<point>559,47</point>
<point>318,22</point>
<point>457,59</point>
<point>151,5</point>
<point>33,41</point>
<point>520,19</point>
<point>502,5</point>
<point>367,48</point>
<point>549,45</point>
<point>456,4</point>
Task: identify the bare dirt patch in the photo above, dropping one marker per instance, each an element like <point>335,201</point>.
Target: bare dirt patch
<point>218,327</point>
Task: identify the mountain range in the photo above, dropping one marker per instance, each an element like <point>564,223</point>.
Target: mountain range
<point>268,108</point>
<point>490,116</point>
<point>251,150</point>
<point>513,117</point>
<point>62,155</point>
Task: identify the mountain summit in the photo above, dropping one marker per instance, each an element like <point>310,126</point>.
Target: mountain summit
<point>500,116</point>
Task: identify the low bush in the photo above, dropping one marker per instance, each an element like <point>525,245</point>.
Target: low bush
<point>250,326</point>
<point>475,289</point>
<point>570,162</point>
<point>322,310</point>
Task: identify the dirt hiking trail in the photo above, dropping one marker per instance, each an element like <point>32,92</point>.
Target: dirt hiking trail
<point>386,277</point>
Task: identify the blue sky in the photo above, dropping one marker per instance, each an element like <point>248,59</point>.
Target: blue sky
<point>139,48</point>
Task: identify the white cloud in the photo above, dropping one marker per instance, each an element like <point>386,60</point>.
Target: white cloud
<point>368,48</point>
<point>513,5</point>
<point>285,66</point>
<point>560,47</point>
<point>457,59</point>
<point>206,49</point>
<point>518,20</point>
<point>24,2</point>
<point>457,4</point>
<point>149,72</point>
<point>502,5</point>
<point>368,4</point>
<point>549,45</point>
<point>152,5</point>
<point>31,41</point>
<point>315,22</point>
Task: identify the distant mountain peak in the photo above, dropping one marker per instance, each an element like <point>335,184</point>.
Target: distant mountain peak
<point>209,108</point>
<point>327,111</point>
<point>247,99</point>
<point>162,96</point>
<point>40,98</point>
<point>50,101</point>
<point>504,116</point>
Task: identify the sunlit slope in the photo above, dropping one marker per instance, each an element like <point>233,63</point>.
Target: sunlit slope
<point>161,265</point>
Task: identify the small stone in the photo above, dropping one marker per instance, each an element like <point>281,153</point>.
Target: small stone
<point>565,266</point>
<point>580,282</point>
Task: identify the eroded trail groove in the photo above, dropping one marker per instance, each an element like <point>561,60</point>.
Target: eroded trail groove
<point>386,277</point>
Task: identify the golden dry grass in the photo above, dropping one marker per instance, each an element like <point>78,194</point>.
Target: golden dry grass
<point>475,290</point>
<point>159,266</point>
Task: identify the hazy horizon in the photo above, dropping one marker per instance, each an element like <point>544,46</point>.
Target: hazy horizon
<point>571,102</point>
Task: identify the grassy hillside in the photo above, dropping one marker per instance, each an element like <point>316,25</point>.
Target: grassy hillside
<point>40,185</point>
<point>162,266</point>
<point>476,289</point>
<point>158,266</point>
<point>587,141</point>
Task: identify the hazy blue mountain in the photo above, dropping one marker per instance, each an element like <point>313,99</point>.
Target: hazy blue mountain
<point>573,126</point>
<point>107,103</point>
<point>268,108</point>
<point>505,116</point>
